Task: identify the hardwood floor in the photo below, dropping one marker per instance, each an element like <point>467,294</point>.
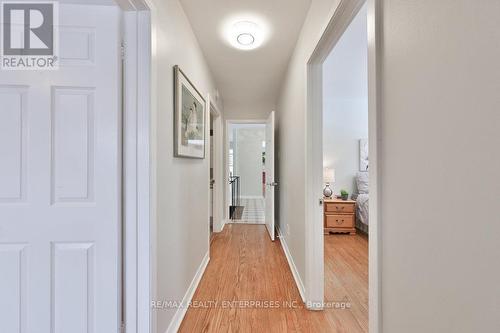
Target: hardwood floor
<point>245,265</point>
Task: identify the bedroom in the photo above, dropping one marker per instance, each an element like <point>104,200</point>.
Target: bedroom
<point>345,172</point>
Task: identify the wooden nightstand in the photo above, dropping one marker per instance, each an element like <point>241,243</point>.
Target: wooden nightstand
<point>339,216</point>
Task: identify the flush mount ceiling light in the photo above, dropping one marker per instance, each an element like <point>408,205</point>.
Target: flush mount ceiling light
<point>245,39</point>
<point>245,33</point>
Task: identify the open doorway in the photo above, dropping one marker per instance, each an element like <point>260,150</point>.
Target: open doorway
<point>250,170</point>
<point>345,170</point>
<point>247,161</point>
<point>212,177</point>
<point>251,184</point>
<point>329,111</point>
<point>216,173</point>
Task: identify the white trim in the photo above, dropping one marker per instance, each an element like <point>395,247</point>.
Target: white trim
<point>138,96</point>
<point>181,311</point>
<point>343,15</point>
<point>218,212</point>
<point>293,268</point>
<point>374,16</point>
<point>130,172</point>
<point>213,107</point>
<point>146,227</point>
<point>208,112</point>
<point>314,275</point>
<point>153,157</point>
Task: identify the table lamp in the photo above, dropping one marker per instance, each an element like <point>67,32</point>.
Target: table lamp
<point>328,177</point>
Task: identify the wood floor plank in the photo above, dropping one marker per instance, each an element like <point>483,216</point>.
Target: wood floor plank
<point>246,265</point>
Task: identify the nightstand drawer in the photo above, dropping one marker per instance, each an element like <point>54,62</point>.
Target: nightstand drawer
<point>339,221</point>
<point>337,207</point>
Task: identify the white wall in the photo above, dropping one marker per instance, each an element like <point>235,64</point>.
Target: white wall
<point>345,103</point>
<point>439,144</point>
<point>291,123</point>
<point>248,158</point>
<point>438,158</point>
<point>182,232</point>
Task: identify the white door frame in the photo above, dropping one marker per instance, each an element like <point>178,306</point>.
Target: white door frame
<point>229,122</point>
<point>342,17</point>
<point>138,198</point>
<point>218,146</point>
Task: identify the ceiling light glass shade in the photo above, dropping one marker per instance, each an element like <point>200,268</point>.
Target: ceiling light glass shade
<point>245,39</point>
<point>246,35</point>
<point>245,31</point>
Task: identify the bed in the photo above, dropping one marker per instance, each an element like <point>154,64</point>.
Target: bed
<point>362,200</point>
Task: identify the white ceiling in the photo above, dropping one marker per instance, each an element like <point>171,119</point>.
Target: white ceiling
<point>247,79</point>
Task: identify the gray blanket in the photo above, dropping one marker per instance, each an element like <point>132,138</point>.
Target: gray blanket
<point>362,208</point>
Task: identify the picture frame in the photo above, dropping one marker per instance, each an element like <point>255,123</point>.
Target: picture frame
<point>189,118</point>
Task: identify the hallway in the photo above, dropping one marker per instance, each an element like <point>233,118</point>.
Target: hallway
<point>246,266</point>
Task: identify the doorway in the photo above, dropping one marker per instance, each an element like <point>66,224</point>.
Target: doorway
<point>345,13</point>
<point>250,172</point>
<point>247,158</point>
<point>212,179</point>
<point>216,175</point>
<point>346,172</point>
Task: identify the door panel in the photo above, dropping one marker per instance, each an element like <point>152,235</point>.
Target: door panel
<point>73,283</point>
<point>13,286</point>
<point>13,135</point>
<point>73,145</point>
<point>270,181</point>
<point>60,183</point>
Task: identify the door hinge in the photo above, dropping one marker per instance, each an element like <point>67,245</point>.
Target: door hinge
<point>122,328</point>
<point>122,50</point>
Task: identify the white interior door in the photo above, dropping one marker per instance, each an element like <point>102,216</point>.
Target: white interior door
<point>60,183</point>
<point>270,181</point>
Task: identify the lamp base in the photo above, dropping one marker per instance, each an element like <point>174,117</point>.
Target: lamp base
<point>327,191</point>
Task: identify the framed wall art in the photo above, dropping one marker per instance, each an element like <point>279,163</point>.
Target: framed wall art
<point>189,119</point>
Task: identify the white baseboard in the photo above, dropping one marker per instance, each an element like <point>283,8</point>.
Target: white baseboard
<point>218,227</point>
<point>293,268</point>
<point>181,311</point>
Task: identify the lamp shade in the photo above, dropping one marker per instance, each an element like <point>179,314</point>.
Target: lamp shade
<point>328,175</point>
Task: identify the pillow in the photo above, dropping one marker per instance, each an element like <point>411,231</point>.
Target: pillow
<point>362,182</point>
